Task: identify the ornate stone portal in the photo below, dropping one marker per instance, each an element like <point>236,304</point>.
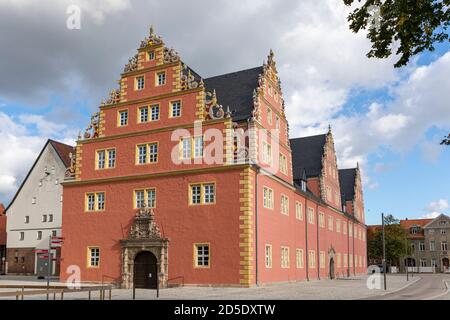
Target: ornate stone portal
<point>144,236</point>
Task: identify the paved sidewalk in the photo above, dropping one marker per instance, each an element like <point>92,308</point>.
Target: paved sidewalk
<point>347,289</point>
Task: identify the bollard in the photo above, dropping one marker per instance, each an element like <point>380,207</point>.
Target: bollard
<point>110,293</point>
<point>23,289</point>
<point>89,294</point>
<point>54,295</point>
<point>62,294</point>
<point>100,293</point>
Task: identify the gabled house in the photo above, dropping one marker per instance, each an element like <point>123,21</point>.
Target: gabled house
<point>35,212</point>
<point>315,158</point>
<point>352,192</point>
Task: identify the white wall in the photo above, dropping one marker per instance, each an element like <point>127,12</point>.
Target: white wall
<point>47,190</point>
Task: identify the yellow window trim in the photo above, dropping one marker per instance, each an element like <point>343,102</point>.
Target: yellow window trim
<point>145,196</point>
<point>106,158</point>
<point>148,55</point>
<point>271,204</point>
<point>202,193</point>
<point>288,257</point>
<point>118,117</point>
<point>136,82</point>
<point>271,256</point>
<point>286,198</point>
<point>88,257</point>
<point>156,78</point>
<point>149,111</point>
<point>195,256</point>
<point>192,155</point>
<point>147,156</point>
<point>86,202</point>
<point>171,108</point>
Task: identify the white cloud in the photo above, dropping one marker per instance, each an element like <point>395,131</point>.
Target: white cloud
<point>20,147</point>
<point>441,205</point>
<point>436,208</point>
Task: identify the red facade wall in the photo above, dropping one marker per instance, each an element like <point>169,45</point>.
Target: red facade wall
<point>184,225</point>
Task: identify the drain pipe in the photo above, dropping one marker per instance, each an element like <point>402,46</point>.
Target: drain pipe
<point>306,238</point>
<point>256,225</point>
<point>318,242</point>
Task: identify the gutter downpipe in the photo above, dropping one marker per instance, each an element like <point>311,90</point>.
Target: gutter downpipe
<point>257,167</point>
<point>306,238</point>
<point>318,242</point>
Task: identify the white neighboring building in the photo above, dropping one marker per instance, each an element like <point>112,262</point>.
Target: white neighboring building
<point>35,212</point>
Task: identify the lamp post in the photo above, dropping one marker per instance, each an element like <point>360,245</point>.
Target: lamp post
<point>406,259</point>
<point>384,252</point>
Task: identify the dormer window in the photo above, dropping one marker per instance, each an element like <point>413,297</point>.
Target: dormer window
<point>415,230</point>
<point>151,55</point>
<point>303,185</point>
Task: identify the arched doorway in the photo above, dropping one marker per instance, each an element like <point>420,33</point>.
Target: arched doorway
<point>332,276</point>
<point>445,264</point>
<point>145,270</point>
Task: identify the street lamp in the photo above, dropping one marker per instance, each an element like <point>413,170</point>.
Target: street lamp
<point>384,252</point>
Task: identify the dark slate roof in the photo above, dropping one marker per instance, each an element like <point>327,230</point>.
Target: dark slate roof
<point>307,155</point>
<point>236,91</point>
<point>347,178</point>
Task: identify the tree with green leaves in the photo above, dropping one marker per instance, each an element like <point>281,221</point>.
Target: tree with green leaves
<point>403,27</point>
<point>407,27</point>
<point>395,237</point>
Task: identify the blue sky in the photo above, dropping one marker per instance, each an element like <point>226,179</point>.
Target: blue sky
<point>389,120</point>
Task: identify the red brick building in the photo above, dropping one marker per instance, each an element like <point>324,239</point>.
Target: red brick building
<point>196,180</point>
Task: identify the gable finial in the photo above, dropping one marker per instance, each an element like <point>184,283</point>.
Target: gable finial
<point>270,58</point>
<point>329,128</point>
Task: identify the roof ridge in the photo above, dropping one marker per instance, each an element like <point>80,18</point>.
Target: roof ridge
<point>232,73</point>
<point>314,136</point>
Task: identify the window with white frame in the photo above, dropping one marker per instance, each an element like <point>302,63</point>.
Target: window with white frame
<point>283,164</point>
<point>284,205</point>
<point>106,159</point>
<point>312,258</point>
<point>268,256</point>
<point>344,227</point>
<point>175,109</point>
<point>145,197</point>
<point>311,216</point>
<point>143,114</point>
<point>95,201</point>
<point>202,255</point>
<point>423,262</point>
<point>321,219</point>
<point>93,257</point>
<point>202,193</point>
<point>338,225</point>
<point>140,83</point>
<point>123,118</point>
<point>444,246</point>
<point>330,223</point>
<point>267,153</point>
<point>147,153</point>
<point>161,78</point>
<point>27,219</point>
<point>198,147</point>
<point>39,235</point>
<point>268,198</point>
<point>322,259</point>
<point>298,210</point>
<point>22,236</point>
<point>299,258</point>
<point>422,246</point>
<point>50,218</point>
<point>338,260</point>
<point>44,218</point>
<point>154,112</point>
<point>284,257</point>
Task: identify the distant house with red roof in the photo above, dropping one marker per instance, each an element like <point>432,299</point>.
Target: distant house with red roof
<point>429,240</point>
